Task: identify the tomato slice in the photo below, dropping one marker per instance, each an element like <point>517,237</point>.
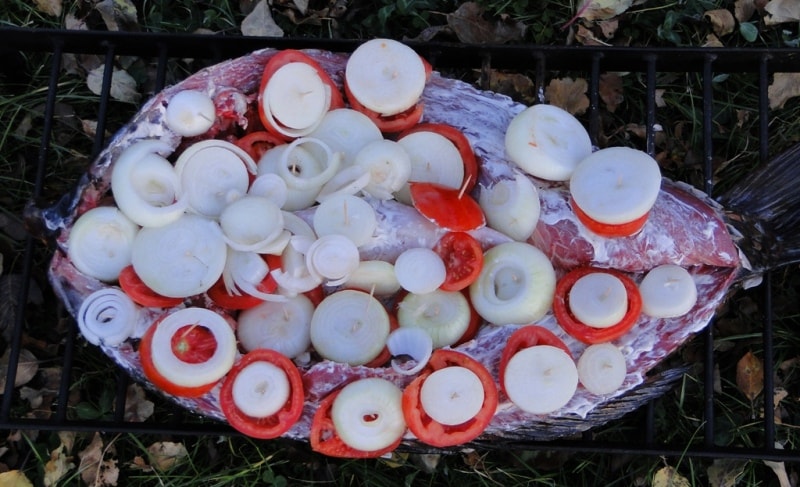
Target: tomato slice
<point>462,144</point>
<point>589,334</point>
<point>526,337</point>
<point>219,294</point>
<point>463,259</point>
<point>185,348</point>
<point>440,435</point>
<point>391,124</point>
<point>282,58</point>
<point>138,291</point>
<point>324,439</point>
<point>276,424</point>
<point>608,229</point>
<point>257,143</point>
<point>449,208</point>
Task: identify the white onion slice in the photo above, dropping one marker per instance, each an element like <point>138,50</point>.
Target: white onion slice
<point>107,317</point>
<point>547,142</point>
<point>415,343</point>
<point>270,186</point>
<point>333,258</point>
<point>516,284</point>
<point>283,327</point>
<point>295,99</point>
<point>368,414</point>
<point>346,130</point>
<point>374,276</point>
<point>244,271</point>
<point>101,241</point>
<point>668,291</point>
<point>420,270</point>
<point>388,165</point>
<point>145,185</point>
<point>187,374</point>
<point>180,259</point>
<point>213,173</point>
<point>347,215</point>
<point>602,368</point>
<point>434,159</point>
<point>190,113</point>
<point>598,300</point>
<point>260,389</point>
<point>444,315</point>
<point>349,180</point>
<point>452,395</point>
<point>349,327</point>
<point>512,206</point>
<point>385,76</point>
<point>297,226</point>
<point>251,221</point>
<point>302,169</point>
<point>294,277</point>
<point>541,379</point>
<point>302,160</point>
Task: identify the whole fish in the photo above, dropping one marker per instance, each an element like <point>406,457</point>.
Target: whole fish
<point>722,247</point>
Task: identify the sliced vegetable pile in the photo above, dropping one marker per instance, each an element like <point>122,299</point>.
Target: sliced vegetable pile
<point>255,287</point>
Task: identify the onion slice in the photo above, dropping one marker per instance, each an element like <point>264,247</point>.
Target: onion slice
<point>346,130</point>
<point>434,159</point>
<point>375,277</point>
<point>388,165</point>
<point>368,414</point>
<point>283,327</point>
<point>101,241</point>
<point>415,343</point>
<point>602,368</point>
<point>420,270</point>
<point>347,215</point>
<point>512,206</point>
<point>668,291</point>
<point>541,379</point>
<point>260,389</point>
<point>452,395</point>
<point>187,374</point>
<point>251,223</point>
<point>295,99</point>
<point>332,257</point>
<point>145,185</point>
<point>107,317</point>
<point>190,113</point>
<point>349,327</point>
<point>444,315</point>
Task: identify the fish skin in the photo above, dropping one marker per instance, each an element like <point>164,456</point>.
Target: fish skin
<point>712,256</point>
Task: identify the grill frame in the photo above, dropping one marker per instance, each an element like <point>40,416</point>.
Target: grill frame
<point>648,62</point>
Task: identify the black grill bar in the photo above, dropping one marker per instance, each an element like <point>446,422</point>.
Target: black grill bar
<point>540,60</point>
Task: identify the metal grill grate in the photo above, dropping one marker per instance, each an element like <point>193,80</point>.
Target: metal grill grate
<point>592,62</point>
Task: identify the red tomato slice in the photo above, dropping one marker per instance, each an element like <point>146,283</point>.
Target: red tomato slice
<point>439,435</point>
<point>526,337</point>
<point>589,334</point>
<point>608,229</point>
<point>449,208</point>
<point>257,143</point>
<point>191,351</point>
<point>194,344</point>
<point>462,144</point>
<point>323,437</point>
<point>138,291</point>
<point>282,58</point>
<point>463,259</point>
<point>270,426</point>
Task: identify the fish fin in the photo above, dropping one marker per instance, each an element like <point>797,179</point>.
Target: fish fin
<point>765,210</point>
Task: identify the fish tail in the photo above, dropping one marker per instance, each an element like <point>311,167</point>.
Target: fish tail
<point>765,210</point>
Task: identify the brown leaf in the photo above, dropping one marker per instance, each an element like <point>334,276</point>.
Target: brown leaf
<point>712,41</point>
<point>27,366</point>
<point>515,85</point>
<point>784,86</point>
<point>604,9</point>
<point>137,407</point>
<point>568,94</point>
<point>782,11</point>
<point>669,477</point>
<point>166,454</point>
<point>49,7</point>
<point>468,24</point>
<point>123,86</point>
<point>722,21</point>
<point>725,473</point>
<point>749,376</point>
<point>95,471</point>
<point>609,27</point>
<point>610,88</point>
<point>260,22</point>
<point>14,478</point>
<point>587,38</point>
<point>58,466</point>
<point>118,15</point>
<point>743,10</point>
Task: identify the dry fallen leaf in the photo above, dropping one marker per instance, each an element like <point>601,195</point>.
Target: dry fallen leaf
<point>14,478</point>
<point>609,27</point>
<point>669,477</point>
<point>722,21</point>
<point>782,11</point>
<point>725,472</point>
<point>27,366</point>
<point>123,86</point>
<point>260,23</point>
<point>784,86</point>
<point>660,102</point>
<point>166,454</point>
<point>58,466</point>
<point>743,10</point>
<point>95,470</point>
<point>515,85</point>
<point>49,7</point>
<point>568,94</point>
<point>587,38</point>
<point>137,407</point>
<point>610,88</point>
<point>468,24</point>
<point>604,9</point>
<point>712,41</point>
<point>118,15</point>
<point>750,376</point>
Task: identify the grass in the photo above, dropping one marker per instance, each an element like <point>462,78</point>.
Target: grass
<point>240,461</point>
